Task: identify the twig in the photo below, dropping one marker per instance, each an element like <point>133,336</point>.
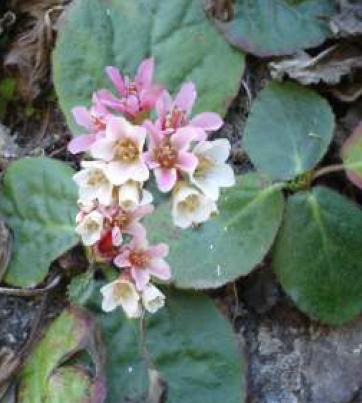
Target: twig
<point>327,170</point>
<point>23,292</point>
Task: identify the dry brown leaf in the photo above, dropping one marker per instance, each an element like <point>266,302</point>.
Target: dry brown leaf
<point>29,55</point>
<point>329,66</point>
<point>348,22</point>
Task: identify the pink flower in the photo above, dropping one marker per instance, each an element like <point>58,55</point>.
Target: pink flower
<point>144,261</point>
<point>175,114</point>
<point>125,221</point>
<point>136,98</point>
<point>167,155</point>
<point>122,148</point>
<point>94,120</point>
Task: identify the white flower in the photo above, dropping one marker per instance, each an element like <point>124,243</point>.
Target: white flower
<point>212,173</point>
<point>121,292</point>
<point>190,206</point>
<point>94,183</point>
<point>153,299</point>
<point>90,227</point>
<point>131,196</point>
<point>122,148</point>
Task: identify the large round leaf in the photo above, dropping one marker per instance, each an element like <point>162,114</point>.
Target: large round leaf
<point>191,345</point>
<point>277,27</point>
<point>39,202</point>
<point>228,246</point>
<point>288,130</point>
<point>318,255</point>
<point>98,33</point>
<point>352,156</point>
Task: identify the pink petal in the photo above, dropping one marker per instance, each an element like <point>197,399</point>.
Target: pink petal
<point>121,260</point>
<point>157,251</point>
<point>132,105</point>
<point>141,278</point>
<point>117,79</point>
<point>117,238</point>
<point>165,178</point>
<point>82,117</point>
<point>108,99</point>
<point>150,96</point>
<point>160,269</point>
<point>186,97</point>
<point>155,134</point>
<point>208,121</point>
<point>81,143</point>
<point>139,240</point>
<point>137,230</point>
<point>187,162</point>
<point>142,211</point>
<point>183,137</point>
<point>116,127</point>
<point>145,72</point>
<point>148,158</point>
<point>163,104</point>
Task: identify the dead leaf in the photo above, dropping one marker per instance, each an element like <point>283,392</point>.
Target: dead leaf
<point>349,90</point>
<point>6,241</point>
<point>29,56</point>
<point>348,22</point>
<point>329,66</point>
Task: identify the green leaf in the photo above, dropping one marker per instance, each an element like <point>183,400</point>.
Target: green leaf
<point>229,245</point>
<point>39,202</point>
<point>318,255</point>
<point>288,130</point>
<point>44,380</point>
<point>191,344</point>
<point>122,32</point>
<point>277,27</point>
<point>81,287</point>
<point>352,156</point>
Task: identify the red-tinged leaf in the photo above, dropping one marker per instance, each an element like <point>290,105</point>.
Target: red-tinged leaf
<point>352,156</point>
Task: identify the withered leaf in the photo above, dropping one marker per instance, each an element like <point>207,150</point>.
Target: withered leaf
<point>329,66</point>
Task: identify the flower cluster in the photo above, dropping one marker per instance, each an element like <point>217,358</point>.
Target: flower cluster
<point>123,147</point>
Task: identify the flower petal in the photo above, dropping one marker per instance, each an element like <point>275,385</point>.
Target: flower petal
<point>186,97</point>
<point>141,277</point>
<point>117,79</point>
<point>102,149</point>
<point>81,143</point>
<point>208,121</point>
<point>160,269</point>
<point>163,104</point>
<point>165,178</point>
<point>121,260</point>
<point>187,162</point>
<point>145,72</point>
<point>82,116</point>
<point>160,250</point>
<point>183,136</point>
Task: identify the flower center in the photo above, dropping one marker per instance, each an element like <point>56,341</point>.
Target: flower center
<point>166,155</point>
<point>138,259</point>
<point>121,220</point>
<point>126,150</point>
<point>204,166</point>
<point>122,291</point>
<point>175,118</point>
<point>190,204</point>
<point>98,123</point>
<point>92,226</point>
<point>97,178</point>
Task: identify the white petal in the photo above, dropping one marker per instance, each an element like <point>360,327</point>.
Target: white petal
<point>208,186</point>
<point>153,299</point>
<point>223,174</point>
<point>219,150</point>
<point>140,172</point>
<point>129,195</point>
<point>103,149</point>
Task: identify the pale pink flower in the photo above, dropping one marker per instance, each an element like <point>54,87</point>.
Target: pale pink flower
<point>94,120</point>
<point>136,98</point>
<point>122,148</point>
<point>122,292</point>
<point>152,298</point>
<point>173,114</point>
<point>144,261</point>
<point>168,154</point>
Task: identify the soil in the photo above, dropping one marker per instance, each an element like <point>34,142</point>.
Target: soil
<point>291,358</point>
